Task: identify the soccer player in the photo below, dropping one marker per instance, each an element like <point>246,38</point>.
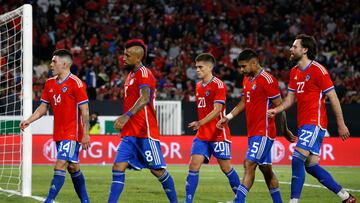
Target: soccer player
<point>66,94</point>
<point>210,140</point>
<point>140,145</point>
<point>260,91</point>
<point>310,83</point>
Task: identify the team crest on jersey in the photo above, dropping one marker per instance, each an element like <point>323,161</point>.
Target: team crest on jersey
<point>307,78</point>
<point>295,78</point>
<point>131,81</point>
<point>64,89</point>
<point>207,93</point>
<point>51,90</point>
<point>253,87</point>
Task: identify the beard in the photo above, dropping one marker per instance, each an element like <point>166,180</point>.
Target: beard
<point>295,57</point>
<point>129,67</point>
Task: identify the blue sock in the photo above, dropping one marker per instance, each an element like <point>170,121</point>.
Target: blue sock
<point>79,185</point>
<point>192,181</point>
<point>275,195</point>
<point>117,185</point>
<point>233,179</point>
<point>168,185</point>
<point>241,194</point>
<point>298,174</point>
<point>324,177</point>
<point>56,184</point>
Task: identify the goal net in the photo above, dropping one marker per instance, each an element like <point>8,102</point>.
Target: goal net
<point>15,99</point>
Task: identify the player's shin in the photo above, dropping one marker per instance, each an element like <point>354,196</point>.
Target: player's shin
<point>117,185</point>
<point>241,194</point>
<point>56,184</point>
<point>275,195</point>
<point>79,185</point>
<point>233,179</point>
<point>327,180</point>
<point>192,181</point>
<point>298,174</point>
<point>168,184</point>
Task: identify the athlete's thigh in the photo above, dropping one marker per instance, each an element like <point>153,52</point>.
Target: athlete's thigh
<point>310,138</point>
<point>200,147</point>
<point>259,149</point>
<point>68,150</point>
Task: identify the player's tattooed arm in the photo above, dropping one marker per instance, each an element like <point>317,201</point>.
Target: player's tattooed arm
<point>85,142</point>
<point>39,112</point>
<point>143,100</point>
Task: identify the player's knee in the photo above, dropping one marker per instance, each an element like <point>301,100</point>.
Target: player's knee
<point>249,165</point>
<point>72,168</point>
<point>157,172</point>
<point>194,166</point>
<point>119,167</point>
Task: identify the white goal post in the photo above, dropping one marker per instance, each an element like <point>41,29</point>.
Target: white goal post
<point>16,100</point>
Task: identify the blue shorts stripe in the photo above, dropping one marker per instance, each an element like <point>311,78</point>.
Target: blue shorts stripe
<point>314,137</point>
<point>155,152</point>
<point>262,146</point>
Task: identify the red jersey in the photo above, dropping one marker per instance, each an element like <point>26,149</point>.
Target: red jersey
<point>206,96</point>
<point>258,92</point>
<point>310,86</point>
<point>143,124</point>
<point>65,98</point>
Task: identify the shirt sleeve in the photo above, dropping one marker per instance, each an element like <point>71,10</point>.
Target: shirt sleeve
<point>80,93</point>
<point>45,94</point>
<point>272,90</point>
<point>220,94</point>
<point>292,83</point>
<point>144,78</point>
<point>323,80</point>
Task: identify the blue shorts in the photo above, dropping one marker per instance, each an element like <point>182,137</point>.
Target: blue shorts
<point>68,150</point>
<point>310,138</point>
<point>259,149</point>
<point>220,150</point>
<point>140,153</point>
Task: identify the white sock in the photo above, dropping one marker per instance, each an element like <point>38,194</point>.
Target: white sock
<point>294,200</point>
<point>343,194</point>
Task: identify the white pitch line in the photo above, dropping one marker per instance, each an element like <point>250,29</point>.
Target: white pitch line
<point>11,193</point>
<point>311,185</point>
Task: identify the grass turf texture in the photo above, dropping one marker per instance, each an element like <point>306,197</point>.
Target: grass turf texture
<point>142,186</point>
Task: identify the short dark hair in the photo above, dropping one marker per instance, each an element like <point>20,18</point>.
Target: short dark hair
<point>206,57</point>
<point>247,54</point>
<point>308,42</point>
<point>63,53</point>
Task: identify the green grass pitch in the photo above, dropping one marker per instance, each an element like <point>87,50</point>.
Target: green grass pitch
<point>141,186</point>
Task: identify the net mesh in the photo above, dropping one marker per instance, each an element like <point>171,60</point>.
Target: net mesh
<point>11,111</point>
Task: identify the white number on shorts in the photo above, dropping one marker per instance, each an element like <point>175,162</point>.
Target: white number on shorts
<point>219,147</point>
<point>255,147</point>
<point>65,147</point>
<point>148,156</point>
<point>304,136</point>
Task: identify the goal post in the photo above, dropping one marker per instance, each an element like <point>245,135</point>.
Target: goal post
<point>16,100</point>
<point>27,64</point>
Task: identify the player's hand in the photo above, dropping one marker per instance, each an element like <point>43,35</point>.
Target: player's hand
<point>85,142</point>
<point>271,113</point>
<point>289,135</point>
<point>120,122</point>
<point>24,124</point>
<point>343,132</point>
<point>222,122</point>
<point>194,125</point>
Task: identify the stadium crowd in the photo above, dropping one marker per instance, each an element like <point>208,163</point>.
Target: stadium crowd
<point>176,31</point>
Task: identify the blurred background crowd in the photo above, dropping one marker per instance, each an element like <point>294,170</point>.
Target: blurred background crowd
<point>176,31</point>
